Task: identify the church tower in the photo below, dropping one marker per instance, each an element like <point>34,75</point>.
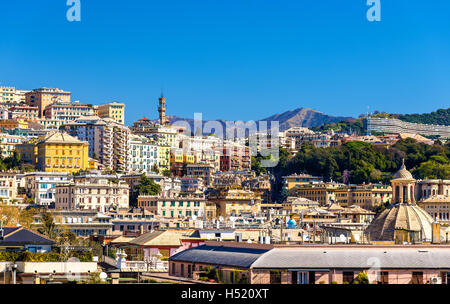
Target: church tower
<point>162,111</point>
<point>403,185</point>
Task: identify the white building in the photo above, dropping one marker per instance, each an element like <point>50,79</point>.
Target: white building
<point>8,144</point>
<point>41,185</point>
<point>143,154</point>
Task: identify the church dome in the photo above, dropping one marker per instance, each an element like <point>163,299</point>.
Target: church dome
<point>401,217</point>
<point>403,173</point>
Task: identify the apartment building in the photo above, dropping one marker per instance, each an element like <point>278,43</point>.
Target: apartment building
<point>192,185</point>
<point>83,223</point>
<point>143,154</point>
<point>235,202</point>
<point>113,110</point>
<point>17,123</point>
<point>92,192</point>
<point>43,97</point>
<point>66,112</point>
<point>7,94</point>
<point>8,144</point>
<point>41,185</point>
<point>60,152</point>
<point>364,196</point>
<point>234,157</point>
<point>178,207</point>
<point>8,188</point>
<point>294,180</point>
<point>24,111</point>
<point>388,125</point>
<point>203,171</point>
<point>109,141</point>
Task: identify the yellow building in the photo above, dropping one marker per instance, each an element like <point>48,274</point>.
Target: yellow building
<point>163,157</point>
<point>236,202</point>
<point>114,110</point>
<point>43,97</point>
<point>294,180</point>
<point>13,124</point>
<point>7,94</point>
<point>28,151</point>
<point>60,152</point>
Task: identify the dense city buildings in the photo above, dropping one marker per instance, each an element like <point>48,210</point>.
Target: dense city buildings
<point>159,196</point>
<point>43,97</point>
<point>109,141</point>
<point>113,110</point>
<point>92,192</point>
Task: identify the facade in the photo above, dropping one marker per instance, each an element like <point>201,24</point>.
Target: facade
<point>113,110</point>
<point>24,111</point>
<point>92,192</point>
<point>83,223</point>
<point>234,157</point>
<point>7,94</point>
<point>108,140</point>
<point>143,154</point>
<point>178,207</point>
<point>43,97</point>
<point>8,144</point>
<point>388,125</point>
<point>320,264</point>
<point>294,180</point>
<point>8,188</point>
<point>66,112</point>
<point>60,152</point>
<point>235,202</point>
<point>203,171</point>
<point>18,123</point>
<point>41,186</point>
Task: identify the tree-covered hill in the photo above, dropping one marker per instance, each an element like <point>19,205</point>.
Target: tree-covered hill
<point>440,117</point>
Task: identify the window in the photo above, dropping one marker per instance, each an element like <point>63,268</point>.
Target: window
<point>348,276</point>
<point>275,277</point>
<point>383,277</point>
<point>417,278</point>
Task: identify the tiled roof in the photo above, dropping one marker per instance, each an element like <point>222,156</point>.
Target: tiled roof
<point>19,236</point>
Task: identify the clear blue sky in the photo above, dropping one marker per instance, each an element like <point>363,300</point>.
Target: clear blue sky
<point>234,59</point>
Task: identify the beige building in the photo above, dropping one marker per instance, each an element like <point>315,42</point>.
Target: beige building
<point>178,207</point>
<point>43,97</point>
<point>66,112</point>
<point>92,192</point>
<point>114,110</point>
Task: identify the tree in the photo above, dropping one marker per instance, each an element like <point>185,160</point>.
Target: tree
<point>26,217</point>
<point>48,226</point>
<point>147,186</point>
<point>362,278</point>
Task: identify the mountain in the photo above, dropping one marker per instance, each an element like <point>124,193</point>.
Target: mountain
<point>304,117</point>
<point>301,117</point>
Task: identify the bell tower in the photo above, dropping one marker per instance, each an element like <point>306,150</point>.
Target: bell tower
<point>162,111</point>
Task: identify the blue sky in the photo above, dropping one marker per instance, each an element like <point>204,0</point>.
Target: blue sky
<point>234,59</point>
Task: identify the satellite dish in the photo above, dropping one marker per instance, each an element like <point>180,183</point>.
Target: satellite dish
<point>357,237</point>
<point>103,276</point>
<point>194,217</point>
<point>343,238</point>
<point>221,219</point>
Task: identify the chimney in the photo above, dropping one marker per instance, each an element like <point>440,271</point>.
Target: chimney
<point>436,232</point>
